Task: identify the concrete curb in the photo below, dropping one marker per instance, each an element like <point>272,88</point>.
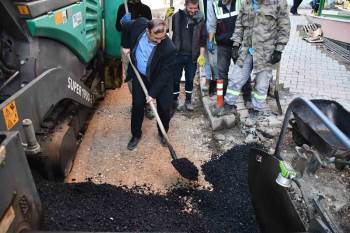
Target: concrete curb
<point>217,123</point>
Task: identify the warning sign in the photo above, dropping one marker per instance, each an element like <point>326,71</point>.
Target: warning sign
<point>23,10</point>
<point>10,115</point>
<point>60,17</point>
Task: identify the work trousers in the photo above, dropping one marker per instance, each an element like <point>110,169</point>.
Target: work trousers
<point>184,62</point>
<point>296,4</point>
<point>164,104</point>
<point>240,76</point>
<point>224,57</point>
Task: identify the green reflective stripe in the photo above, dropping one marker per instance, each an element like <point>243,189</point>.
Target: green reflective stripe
<point>259,97</point>
<point>218,10</point>
<point>232,92</point>
<point>238,5</point>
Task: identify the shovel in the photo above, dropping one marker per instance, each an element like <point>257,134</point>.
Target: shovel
<point>276,93</point>
<point>184,167</point>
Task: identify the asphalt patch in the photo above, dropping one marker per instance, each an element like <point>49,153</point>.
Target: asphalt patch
<point>91,207</point>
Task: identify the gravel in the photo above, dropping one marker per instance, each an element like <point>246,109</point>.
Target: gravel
<point>103,207</point>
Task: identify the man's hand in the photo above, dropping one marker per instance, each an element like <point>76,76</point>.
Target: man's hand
<point>149,99</point>
<point>169,12</point>
<point>211,46</point>
<point>276,57</point>
<point>235,55</point>
<point>126,51</point>
<point>126,18</point>
<point>201,60</point>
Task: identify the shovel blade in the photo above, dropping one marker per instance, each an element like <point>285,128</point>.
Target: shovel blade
<point>185,168</point>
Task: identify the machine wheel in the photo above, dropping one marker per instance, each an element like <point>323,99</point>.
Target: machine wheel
<point>61,149</point>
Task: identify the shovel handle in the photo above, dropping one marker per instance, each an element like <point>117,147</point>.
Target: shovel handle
<point>159,121</point>
<point>126,6</point>
<point>171,21</point>
<point>277,86</point>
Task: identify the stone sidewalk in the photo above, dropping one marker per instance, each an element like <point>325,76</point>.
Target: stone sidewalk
<point>310,72</point>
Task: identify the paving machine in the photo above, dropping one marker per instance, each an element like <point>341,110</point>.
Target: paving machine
<point>20,206</point>
<point>52,72</point>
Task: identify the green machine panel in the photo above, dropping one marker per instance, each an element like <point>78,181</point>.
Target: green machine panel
<point>78,26</point>
<point>112,36</point>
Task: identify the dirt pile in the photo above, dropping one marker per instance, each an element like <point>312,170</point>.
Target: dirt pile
<point>90,207</point>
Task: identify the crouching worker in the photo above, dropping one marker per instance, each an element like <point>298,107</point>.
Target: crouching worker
<point>262,32</point>
<point>153,54</point>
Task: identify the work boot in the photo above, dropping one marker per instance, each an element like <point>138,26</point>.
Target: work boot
<point>226,110</point>
<point>148,112</point>
<point>133,142</point>
<point>188,105</point>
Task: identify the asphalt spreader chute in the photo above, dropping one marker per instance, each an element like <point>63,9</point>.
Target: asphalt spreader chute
<point>185,167</point>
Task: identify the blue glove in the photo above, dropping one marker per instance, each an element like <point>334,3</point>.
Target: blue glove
<point>126,18</point>
<point>211,46</point>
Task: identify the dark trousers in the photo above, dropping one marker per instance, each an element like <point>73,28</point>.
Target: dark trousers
<point>184,62</point>
<point>296,4</point>
<point>164,104</point>
<point>224,56</point>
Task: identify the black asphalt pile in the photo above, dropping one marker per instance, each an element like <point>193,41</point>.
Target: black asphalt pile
<point>91,207</point>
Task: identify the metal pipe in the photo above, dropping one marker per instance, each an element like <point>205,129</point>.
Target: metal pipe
<point>33,146</point>
<point>301,100</point>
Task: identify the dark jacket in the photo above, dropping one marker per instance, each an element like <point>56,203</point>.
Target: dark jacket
<point>225,27</point>
<point>160,68</point>
<point>199,34</point>
<point>137,10</point>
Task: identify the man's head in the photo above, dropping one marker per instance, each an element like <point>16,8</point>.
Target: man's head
<point>156,30</point>
<point>191,7</point>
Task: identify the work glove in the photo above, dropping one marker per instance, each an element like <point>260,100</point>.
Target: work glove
<point>210,46</point>
<point>169,12</point>
<point>276,57</point>
<point>126,18</point>
<point>235,55</point>
<point>201,60</point>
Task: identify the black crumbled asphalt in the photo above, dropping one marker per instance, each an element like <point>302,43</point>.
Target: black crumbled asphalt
<point>186,168</point>
<point>91,207</point>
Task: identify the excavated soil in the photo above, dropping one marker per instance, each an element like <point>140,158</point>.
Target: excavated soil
<point>226,207</point>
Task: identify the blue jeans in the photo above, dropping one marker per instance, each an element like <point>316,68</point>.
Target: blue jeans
<point>184,62</point>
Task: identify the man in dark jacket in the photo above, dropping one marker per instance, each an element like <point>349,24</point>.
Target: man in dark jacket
<point>153,54</point>
<point>189,37</point>
<point>136,10</point>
